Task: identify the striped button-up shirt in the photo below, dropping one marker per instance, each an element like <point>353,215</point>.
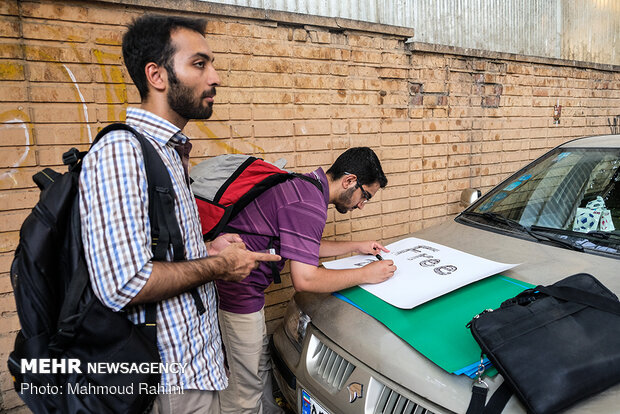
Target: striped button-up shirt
<point>117,243</point>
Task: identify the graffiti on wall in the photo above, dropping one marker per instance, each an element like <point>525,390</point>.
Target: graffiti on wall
<point>84,107</point>
<point>115,93</point>
<point>19,121</point>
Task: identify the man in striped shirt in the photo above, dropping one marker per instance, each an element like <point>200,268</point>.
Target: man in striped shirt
<point>295,213</point>
<point>171,64</point>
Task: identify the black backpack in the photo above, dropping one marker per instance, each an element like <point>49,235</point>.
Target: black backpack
<point>62,322</point>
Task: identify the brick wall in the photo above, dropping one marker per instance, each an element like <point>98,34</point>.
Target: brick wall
<point>299,87</point>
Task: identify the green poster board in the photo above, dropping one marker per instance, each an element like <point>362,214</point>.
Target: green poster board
<point>437,329</point>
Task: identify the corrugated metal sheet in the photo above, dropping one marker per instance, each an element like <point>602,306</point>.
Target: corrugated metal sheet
<point>586,30</point>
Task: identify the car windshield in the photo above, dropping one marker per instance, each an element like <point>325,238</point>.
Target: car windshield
<point>570,196</point>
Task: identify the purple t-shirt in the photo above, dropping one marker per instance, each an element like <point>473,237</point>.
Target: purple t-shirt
<point>294,211</point>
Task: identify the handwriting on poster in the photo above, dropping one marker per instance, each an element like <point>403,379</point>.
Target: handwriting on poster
<point>424,271</point>
<point>418,253</point>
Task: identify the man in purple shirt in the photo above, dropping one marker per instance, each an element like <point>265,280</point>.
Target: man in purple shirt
<point>293,214</point>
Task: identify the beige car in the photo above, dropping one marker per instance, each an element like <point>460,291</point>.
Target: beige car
<point>331,358</point>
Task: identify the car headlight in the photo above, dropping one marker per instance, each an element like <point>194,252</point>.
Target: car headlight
<point>295,324</point>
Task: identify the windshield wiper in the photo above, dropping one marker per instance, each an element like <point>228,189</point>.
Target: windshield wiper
<point>498,218</point>
<point>539,230</point>
<point>534,231</point>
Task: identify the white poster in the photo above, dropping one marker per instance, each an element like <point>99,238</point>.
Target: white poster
<point>424,271</point>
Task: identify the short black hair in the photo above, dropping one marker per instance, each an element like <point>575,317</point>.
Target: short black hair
<point>361,161</point>
<point>148,40</point>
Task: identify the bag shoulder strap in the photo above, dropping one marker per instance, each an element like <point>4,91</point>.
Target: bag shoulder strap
<point>275,273</point>
<point>314,181</point>
<point>272,265</point>
<point>165,229</point>
<point>583,297</point>
<point>161,193</point>
<point>496,403</point>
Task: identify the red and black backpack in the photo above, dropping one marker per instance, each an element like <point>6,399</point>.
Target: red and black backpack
<point>224,185</point>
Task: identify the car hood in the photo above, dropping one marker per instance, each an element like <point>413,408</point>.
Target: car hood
<point>373,344</point>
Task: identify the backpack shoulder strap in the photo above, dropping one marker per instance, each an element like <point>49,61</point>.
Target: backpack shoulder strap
<point>165,229</point>
<point>161,194</point>
<point>272,265</point>
<point>314,181</point>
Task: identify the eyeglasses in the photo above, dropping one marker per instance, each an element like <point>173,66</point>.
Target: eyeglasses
<point>367,196</point>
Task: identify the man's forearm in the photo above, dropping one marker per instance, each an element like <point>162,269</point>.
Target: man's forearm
<point>170,279</point>
<point>323,280</point>
<point>309,278</point>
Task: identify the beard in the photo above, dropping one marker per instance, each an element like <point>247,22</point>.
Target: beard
<point>182,101</point>
<point>344,201</point>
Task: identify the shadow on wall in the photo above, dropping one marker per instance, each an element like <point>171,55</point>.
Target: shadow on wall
<point>614,125</point>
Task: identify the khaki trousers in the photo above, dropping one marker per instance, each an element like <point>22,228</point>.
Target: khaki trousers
<point>191,401</point>
<point>247,351</point>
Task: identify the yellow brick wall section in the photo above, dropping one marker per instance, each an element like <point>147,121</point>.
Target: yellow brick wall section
<point>440,123</point>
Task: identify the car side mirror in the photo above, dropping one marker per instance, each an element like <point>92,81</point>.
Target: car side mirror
<point>469,196</point>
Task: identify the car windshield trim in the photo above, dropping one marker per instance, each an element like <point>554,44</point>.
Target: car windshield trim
<point>603,235</point>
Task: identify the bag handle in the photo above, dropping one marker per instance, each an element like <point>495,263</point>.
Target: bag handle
<point>582,297</point>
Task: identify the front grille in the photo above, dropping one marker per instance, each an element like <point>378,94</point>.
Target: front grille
<point>329,368</point>
<point>391,402</point>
